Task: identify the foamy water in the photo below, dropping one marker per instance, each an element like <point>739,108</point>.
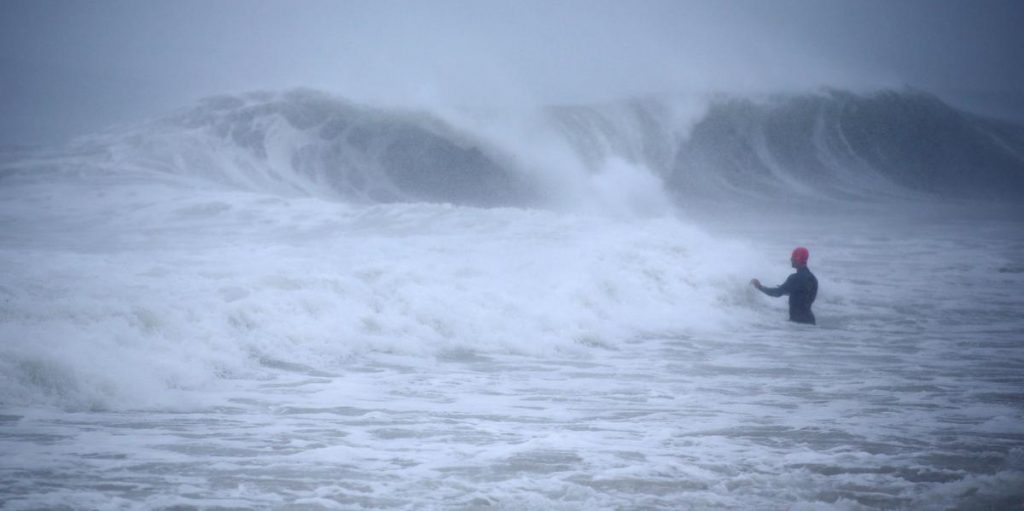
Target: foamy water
<point>256,352</point>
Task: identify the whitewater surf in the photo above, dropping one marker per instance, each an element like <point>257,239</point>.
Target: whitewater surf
<point>289,300</point>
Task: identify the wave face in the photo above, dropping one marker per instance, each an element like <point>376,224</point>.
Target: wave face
<point>842,144</point>
<point>634,157</point>
<point>311,143</point>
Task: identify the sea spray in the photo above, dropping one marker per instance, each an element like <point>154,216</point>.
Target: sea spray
<point>178,288</point>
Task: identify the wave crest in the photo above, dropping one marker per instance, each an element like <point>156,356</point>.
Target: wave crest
<point>829,145</point>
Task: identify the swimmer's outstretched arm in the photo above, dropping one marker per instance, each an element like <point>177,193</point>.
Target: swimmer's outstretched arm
<point>771,291</point>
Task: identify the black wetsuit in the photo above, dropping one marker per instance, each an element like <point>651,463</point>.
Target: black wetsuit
<point>802,288</point>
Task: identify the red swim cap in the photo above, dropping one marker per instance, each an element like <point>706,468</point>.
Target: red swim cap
<point>800,255</point>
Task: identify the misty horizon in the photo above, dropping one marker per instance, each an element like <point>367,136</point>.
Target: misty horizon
<point>70,68</point>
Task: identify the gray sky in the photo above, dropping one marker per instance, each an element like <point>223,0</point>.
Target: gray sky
<point>68,67</point>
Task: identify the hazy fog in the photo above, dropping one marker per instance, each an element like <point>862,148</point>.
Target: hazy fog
<point>67,67</point>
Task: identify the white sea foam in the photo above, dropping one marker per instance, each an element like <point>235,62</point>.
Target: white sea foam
<point>141,291</point>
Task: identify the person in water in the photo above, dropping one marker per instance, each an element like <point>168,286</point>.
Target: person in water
<point>802,288</point>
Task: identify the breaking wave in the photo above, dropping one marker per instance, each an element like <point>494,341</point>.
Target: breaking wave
<point>625,156</point>
<point>310,143</point>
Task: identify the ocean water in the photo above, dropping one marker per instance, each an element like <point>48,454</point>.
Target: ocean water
<point>173,340</point>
